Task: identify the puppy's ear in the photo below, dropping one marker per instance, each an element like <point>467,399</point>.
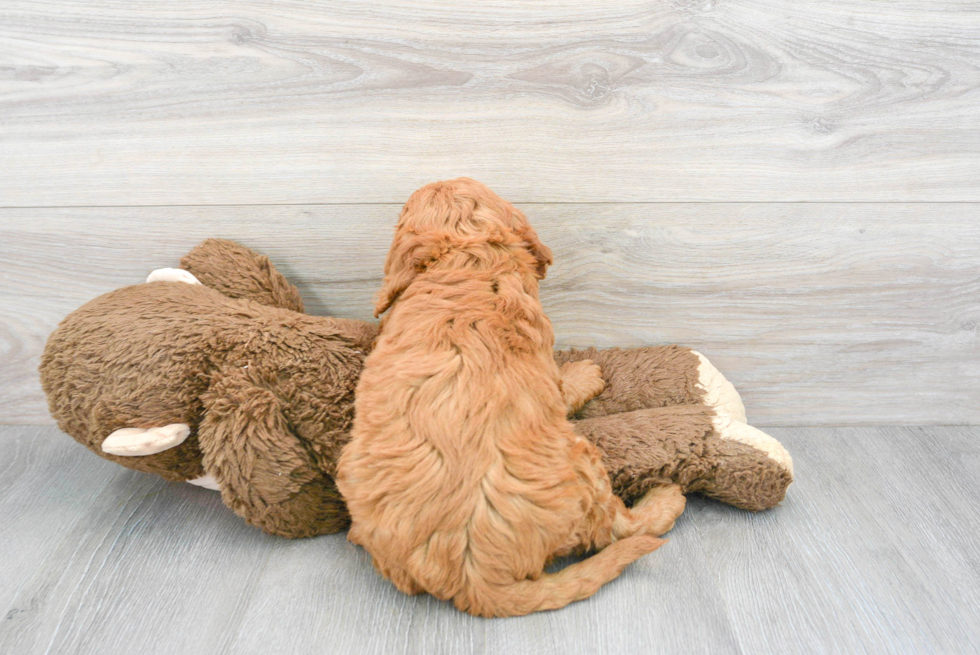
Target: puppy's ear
<point>409,255</point>
<point>389,292</point>
<point>540,252</point>
<point>399,271</point>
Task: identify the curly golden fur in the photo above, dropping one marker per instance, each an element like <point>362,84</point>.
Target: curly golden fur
<point>463,476</point>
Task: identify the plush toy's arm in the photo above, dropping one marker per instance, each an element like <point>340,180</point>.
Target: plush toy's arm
<point>656,376</point>
<point>265,474</point>
<point>361,333</point>
<point>239,272</point>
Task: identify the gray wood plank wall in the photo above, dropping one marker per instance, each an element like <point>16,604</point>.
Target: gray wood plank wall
<point>188,102</point>
<point>819,313</point>
<point>130,131</point>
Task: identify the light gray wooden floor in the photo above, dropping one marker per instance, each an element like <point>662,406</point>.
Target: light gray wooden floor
<point>792,188</point>
<point>874,551</point>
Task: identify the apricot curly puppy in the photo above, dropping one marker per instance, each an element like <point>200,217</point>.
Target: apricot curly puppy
<point>463,476</point>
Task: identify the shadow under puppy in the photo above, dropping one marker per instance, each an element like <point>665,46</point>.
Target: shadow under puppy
<point>463,477</point>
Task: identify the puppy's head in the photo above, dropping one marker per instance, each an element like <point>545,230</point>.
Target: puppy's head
<point>460,218</point>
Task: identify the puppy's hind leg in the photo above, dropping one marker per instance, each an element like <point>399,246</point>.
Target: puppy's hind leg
<point>654,514</point>
<point>401,578</point>
<point>659,508</point>
<point>609,520</point>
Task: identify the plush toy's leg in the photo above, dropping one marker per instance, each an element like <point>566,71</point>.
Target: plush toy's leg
<point>731,429</point>
<point>688,445</point>
<point>133,442</point>
<point>265,474</point>
<point>580,382</point>
<point>718,391</point>
<point>639,378</point>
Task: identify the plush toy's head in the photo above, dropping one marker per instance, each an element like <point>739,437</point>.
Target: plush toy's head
<point>185,381</point>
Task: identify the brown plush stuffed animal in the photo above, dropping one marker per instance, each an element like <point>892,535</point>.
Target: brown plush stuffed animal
<point>212,374</point>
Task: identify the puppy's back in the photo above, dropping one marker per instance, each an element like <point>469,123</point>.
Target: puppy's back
<point>460,475</point>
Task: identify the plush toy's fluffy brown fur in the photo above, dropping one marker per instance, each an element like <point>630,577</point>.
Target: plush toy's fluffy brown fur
<point>111,364</point>
<point>653,427</point>
<point>268,393</point>
<point>463,476</point>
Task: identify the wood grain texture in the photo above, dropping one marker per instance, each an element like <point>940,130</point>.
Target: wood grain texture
<point>818,313</point>
<point>195,102</point>
<point>873,551</point>
<point>92,550</point>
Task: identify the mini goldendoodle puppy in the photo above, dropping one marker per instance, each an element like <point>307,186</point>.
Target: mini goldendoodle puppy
<point>463,475</point>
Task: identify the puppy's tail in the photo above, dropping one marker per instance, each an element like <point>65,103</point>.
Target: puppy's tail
<point>555,590</point>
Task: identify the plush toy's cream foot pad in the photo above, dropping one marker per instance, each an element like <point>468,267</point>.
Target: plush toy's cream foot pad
<point>172,275</point>
<point>133,442</point>
<point>734,430</point>
<point>206,481</point>
<point>718,391</point>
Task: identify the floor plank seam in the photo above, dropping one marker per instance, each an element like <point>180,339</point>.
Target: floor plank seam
<point>517,202</point>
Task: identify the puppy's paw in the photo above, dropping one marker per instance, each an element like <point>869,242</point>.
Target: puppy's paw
<point>581,382</point>
<point>590,377</point>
